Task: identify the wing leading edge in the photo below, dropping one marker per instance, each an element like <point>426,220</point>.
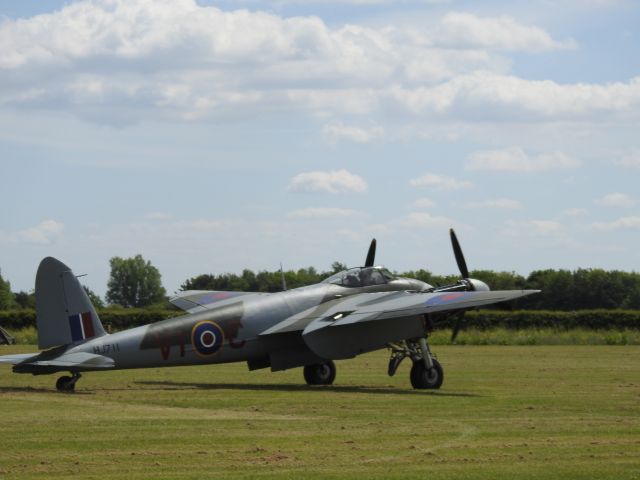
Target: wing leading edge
<point>349,326</point>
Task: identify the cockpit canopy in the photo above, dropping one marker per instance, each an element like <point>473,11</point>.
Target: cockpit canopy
<point>361,277</point>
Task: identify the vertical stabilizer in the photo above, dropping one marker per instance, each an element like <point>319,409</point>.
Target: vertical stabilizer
<point>64,313</point>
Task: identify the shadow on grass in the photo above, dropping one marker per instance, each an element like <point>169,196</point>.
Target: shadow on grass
<point>300,388</point>
<point>42,390</point>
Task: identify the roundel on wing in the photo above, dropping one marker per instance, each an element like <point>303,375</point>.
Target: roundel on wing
<point>447,298</point>
<point>206,338</point>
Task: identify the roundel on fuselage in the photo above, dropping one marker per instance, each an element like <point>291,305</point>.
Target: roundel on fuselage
<point>206,338</point>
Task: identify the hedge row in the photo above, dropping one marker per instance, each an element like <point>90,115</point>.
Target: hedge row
<point>112,319</point>
<point>482,319</point>
<point>560,320</point>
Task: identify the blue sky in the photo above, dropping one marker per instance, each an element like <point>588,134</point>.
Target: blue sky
<point>214,136</point>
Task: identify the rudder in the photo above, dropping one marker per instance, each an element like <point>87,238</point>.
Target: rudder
<point>64,313</point>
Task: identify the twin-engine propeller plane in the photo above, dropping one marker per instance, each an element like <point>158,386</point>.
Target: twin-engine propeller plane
<point>352,312</point>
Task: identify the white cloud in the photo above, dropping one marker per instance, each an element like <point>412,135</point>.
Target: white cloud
<point>439,182</point>
<point>575,212</point>
<point>425,220</point>
<point>623,223</point>
<point>498,96</point>
<point>126,59</point>
<point>423,203</point>
<point>619,200</point>
<point>352,2</point>
<point>464,30</point>
<point>632,160</point>
<point>323,212</point>
<point>158,216</point>
<point>498,203</point>
<point>514,159</point>
<point>334,182</point>
<point>534,228</point>
<point>45,233</point>
<point>338,131</point>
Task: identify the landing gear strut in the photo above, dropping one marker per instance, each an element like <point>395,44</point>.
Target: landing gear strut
<point>320,374</point>
<point>68,383</point>
<point>426,372</point>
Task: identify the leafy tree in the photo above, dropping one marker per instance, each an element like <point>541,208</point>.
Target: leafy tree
<point>337,267</point>
<point>557,290</point>
<point>6,296</point>
<point>134,282</point>
<point>249,281</point>
<point>95,299</point>
<point>561,289</point>
<point>633,298</point>
<point>25,300</point>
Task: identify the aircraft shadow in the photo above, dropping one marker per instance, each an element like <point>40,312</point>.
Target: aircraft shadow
<point>300,388</point>
<point>41,390</point>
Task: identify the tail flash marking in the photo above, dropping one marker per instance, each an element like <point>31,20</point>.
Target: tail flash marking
<point>81,326</point>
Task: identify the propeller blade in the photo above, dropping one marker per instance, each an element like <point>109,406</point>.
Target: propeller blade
<point>456,327</point>
<point>371,255</point>
<point>457,251</point>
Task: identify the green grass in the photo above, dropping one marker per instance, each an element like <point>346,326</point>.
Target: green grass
<point>539,336</point>
<point>525,412</point>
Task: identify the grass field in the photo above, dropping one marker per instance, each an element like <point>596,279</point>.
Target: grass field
<point>523,412</point>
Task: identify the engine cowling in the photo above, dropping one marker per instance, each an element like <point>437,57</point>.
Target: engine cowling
<point>477,285</point>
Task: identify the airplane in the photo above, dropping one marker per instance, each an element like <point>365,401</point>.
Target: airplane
<point>352,312</point>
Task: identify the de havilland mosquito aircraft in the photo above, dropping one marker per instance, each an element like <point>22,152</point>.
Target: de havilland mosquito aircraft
<point>352,312</point>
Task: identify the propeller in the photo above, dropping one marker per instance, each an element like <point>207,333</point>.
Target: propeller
<point>456,327</point>
<point>457,251</point>
<point>371,254</point>
<point>464,271</point>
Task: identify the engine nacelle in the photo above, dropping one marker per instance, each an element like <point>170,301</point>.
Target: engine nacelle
<point>477,285</point>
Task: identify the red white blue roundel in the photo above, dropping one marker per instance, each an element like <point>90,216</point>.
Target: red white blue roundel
<point>206,338</point>
<point>445,298</point>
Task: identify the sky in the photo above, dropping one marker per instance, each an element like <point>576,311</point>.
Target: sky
<point>212,136</point>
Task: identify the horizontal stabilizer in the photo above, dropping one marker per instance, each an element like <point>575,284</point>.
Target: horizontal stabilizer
<point>78,360</point>
<point>18,358</point>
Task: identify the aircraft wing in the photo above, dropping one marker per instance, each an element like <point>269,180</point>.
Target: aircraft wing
<point>345,327</point>
<point>193,301</point>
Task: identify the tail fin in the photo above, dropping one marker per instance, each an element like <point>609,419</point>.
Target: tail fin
<point>64,313</point>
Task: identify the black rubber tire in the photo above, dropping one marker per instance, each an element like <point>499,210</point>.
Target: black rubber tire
<point>65,384</point>
<point>421,378</point>
<point>320,373</point>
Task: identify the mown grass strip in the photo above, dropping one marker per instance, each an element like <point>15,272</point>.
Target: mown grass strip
<point>526,412</point>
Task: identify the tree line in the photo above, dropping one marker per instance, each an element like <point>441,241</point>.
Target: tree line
<point>135,282</point>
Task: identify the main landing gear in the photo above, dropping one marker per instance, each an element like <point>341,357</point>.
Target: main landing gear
<point>320,373</point>
<point>426,372</point>
<point>68,383</point>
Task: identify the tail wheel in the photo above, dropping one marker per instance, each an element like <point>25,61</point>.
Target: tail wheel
<point>65,384</point>
<point>424,378</point>
<point>320,373</point>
